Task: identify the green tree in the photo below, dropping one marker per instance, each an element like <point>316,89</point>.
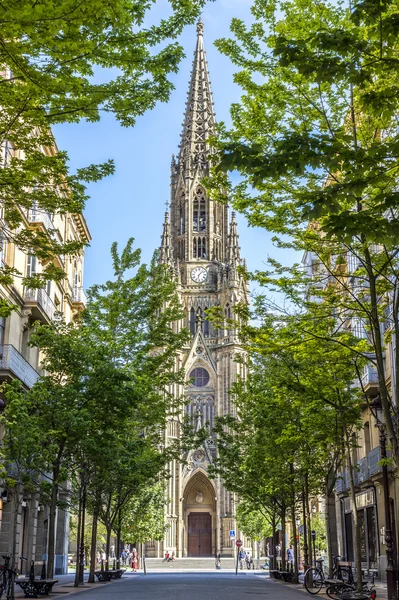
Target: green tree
<point>60,63</point>
<point>315,139</point>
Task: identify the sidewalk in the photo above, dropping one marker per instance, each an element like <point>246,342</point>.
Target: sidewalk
<point>380,587</point>
<point>65,586</point>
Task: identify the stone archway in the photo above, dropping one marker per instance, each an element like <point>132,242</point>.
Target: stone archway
<point>199,513</point>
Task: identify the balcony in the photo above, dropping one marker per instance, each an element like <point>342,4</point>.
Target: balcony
<point>43,308</point>
<point>13,364</point>
<point>366,468</point>
<point>41,217</point>
<point>79,297</point>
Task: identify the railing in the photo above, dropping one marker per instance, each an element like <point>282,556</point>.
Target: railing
<point>43,299</point>
<point>12,360</point>
<point>366,467</point>
<point>79,295</point>
<point>40,216</point>
<point>369,375</point>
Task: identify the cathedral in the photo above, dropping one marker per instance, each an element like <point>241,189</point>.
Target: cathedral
<point>200,244</point>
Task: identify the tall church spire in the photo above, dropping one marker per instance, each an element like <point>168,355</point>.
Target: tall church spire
<point>165,250</point>
<point>233,249</point>
<point>199,118</point>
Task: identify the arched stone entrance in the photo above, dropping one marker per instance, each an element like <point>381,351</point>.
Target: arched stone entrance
<point>199,514</point>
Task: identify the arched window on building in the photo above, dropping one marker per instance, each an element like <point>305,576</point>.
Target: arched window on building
<point>195,248</point>
<point>192,321</point>
<point>199,250</point>
<point>203,249</point>
<point>199,211</point>
<point>181,219</point>
<point>206,325</point>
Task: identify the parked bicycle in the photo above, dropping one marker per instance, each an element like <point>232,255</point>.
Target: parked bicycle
<point>315,577</point>
<point>7,578</point>
<point>340,590</point>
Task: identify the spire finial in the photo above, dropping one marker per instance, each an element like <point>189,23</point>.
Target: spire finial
<point>200,27</point>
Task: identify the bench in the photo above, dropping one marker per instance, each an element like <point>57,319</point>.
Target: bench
<point>275,573</point>
<point>345,565</point>
<point>287,576</point>
<point>35,587</point>
<point>107,575</point>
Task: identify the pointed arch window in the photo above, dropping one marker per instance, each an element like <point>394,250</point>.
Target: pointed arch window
<point>199,249</point>
<point>192,321</point>
<point>195,248</point>
<point>181,220</point>
<point>206,326</point>
<point>199,211</point>
<point>203,248</point>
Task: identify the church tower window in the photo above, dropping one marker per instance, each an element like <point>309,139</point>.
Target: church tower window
<point>199,211</point>
<point>195,248</point>
<point>206,326</point>
<point>192,321</point>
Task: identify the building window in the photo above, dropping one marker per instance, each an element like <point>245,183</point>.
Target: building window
<point>192,321</point>
<point>195,247</point>
<point>206,326</point>
<point>31,265</point>
<point>2,329</point>
<point>367,442</point>
<point>199,211</point>
<point>200,377</point>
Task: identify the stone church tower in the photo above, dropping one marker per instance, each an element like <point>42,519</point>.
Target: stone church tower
<point>200,243</point>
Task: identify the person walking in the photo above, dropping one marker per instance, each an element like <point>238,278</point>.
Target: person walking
<point>135,560</point>
<point>123,557</point>
<point>290,558</point>
<point>217,559</point>
<point>241,557</point>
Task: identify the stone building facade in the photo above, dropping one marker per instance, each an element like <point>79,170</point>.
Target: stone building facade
<point>19,361</point>
<point>200,243</point>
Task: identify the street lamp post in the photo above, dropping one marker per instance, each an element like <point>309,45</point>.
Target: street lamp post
<point>313,533</point>
<point>390,570</point>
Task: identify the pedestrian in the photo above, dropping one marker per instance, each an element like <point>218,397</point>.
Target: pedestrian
<point>172,558</point>
<point>241,558</point>
<point>278,556</point>
<point>167,557</point>
<point>123,557</point>
<point>217,559</point>
<point>247,561</point>
<point>290,558</point>
<point>135,560</point>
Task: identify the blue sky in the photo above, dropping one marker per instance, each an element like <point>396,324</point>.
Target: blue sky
<point>131,203</point>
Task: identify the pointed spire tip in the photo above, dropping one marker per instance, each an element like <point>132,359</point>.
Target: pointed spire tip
<point>200,27</point>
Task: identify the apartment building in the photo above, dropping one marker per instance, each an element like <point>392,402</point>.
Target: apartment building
<point>19,361</point>
<point>366,453</point>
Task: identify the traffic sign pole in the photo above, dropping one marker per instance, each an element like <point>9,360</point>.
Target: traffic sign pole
<point>238,544</point>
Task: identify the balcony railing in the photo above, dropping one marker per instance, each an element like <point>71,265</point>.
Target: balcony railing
<point>369,375</point>
<point>78,295</point>
<point>40,216</point>
<point>366,468</point>
<point>43,299</point>
<point>11,360</point>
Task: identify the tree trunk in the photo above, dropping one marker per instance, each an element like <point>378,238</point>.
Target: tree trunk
<point>283,530</point>
<point>118,548</point>
<point>93,549</point>
<point>78,539</point>
<point>108,546</point>
<point>13,552</point>
<point>356,527</point>
<point>329,534</point>
<point>306,562</point>
<point>294,533</point>
<point>273,549</point>
<point>51,526</point>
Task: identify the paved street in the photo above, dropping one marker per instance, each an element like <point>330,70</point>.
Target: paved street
<point>192,586</point>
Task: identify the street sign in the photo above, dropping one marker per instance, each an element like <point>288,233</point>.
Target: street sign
<point>238,543</point>
<point>232,533</point>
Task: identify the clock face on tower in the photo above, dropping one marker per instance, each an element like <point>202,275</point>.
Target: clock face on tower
<point>199,275</point>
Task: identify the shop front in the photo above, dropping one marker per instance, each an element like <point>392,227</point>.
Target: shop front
<point>367,514</point>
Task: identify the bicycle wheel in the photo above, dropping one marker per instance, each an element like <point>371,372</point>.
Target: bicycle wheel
<point>313,580</point>
<point>335,590</point>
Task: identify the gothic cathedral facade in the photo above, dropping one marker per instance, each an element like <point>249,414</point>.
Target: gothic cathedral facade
<point>200,243</point>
